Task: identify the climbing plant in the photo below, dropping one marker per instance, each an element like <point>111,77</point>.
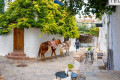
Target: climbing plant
<point>51,18</point>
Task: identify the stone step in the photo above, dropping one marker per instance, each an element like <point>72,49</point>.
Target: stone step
<point>17,57</point>
<point>18,54</point>
<point>100,62</point>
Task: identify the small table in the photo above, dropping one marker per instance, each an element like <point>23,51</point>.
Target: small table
<point>61,74</point>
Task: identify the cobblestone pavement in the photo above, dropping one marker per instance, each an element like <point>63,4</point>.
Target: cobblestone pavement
<point>36,70</point>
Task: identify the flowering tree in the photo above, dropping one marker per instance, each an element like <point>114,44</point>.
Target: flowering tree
<point>51,18</point>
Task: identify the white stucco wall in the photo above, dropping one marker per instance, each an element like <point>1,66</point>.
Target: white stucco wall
<point>111,30</point>
<point>115,28</point>
<point>103,35</point>
<point>72,47</point>
<point>93,43</point>
<point>6,44</point>
<point>32,41</point>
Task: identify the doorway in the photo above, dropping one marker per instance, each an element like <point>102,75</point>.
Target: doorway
<point>18,39</point>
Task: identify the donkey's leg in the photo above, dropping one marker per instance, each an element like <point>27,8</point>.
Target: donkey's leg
<point>42,55</point>
<point>38,55</point>
<point>55,55</point>
<point>51,55</point>
<point>68,52</point>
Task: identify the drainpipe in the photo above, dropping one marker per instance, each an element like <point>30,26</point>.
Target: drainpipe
<point>108,55</point>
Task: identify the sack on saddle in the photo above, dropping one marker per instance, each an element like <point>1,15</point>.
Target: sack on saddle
<point>49,49</point>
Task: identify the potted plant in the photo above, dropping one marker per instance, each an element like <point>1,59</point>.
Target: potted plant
<point>70,66</point>
<point>89,48</point>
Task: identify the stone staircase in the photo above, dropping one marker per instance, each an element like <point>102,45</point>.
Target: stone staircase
<point>17,55</point>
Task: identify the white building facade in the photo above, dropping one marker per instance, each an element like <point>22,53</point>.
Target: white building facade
<point>109,37</point>
<point>32,41</point>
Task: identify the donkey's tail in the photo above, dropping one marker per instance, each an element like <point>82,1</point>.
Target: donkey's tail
<point>39,53</point>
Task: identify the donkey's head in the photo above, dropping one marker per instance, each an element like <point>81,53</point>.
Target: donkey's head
<point>58,41</point>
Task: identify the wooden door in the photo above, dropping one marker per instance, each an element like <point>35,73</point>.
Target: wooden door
<point>18,39</point>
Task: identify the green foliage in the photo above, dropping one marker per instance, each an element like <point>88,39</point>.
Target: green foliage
<point>89,48</point>
<point>98,7</point>
<point>4,31</point>
<point>1,6</point>
<point>84,29</point>
<point>74,6</point>
<point>95,31</point>
<point>70,66</point>
<point>51,18</point>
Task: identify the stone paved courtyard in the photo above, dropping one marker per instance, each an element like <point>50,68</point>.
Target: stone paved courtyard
<point>45,70</point>
<point>90,71</point>
<point>36,70</point>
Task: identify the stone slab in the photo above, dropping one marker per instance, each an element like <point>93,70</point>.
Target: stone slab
<point>90,74</point>
<point>91,78</point>
<point>81,79</point>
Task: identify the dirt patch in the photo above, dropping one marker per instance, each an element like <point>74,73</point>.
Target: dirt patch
<point>102,67</point>
<point>22,65</point>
